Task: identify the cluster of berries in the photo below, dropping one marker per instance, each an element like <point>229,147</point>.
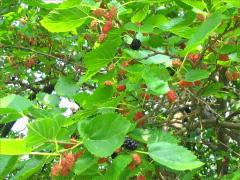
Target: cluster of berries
<point>136,44</point>
<point>223,57</point>
<point>194,58</point>
<point>63,167</point>
<point>73,141</point>
<point>120,87</point>
<point>232,76</point>
<point>136,160</point>
<point>30,62</point>
<point>130,144</point>
<point>138,117</point>
<point>171,96</point>
<point>176,63</point>
<point>185,84</point>
<point>109,16</point>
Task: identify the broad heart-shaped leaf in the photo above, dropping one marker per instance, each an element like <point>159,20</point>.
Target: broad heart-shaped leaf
<point>104,134</point>
<point>100,95</point>
<point>64,20</point>
<point>101,56</point>
<point>84,163</point>
<point>14,147</point>
<point>117,167</point>
<point>31,166</point>
<point>173,156</point>
<point>15,102</point>
<point>196,74</point>
<point>204,30</point>
<point>66,87</point>
<point>7,164</point>
<point>43,129</point>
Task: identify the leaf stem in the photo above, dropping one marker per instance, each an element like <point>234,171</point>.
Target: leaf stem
<point>141,152</point>
<point>44,154</point>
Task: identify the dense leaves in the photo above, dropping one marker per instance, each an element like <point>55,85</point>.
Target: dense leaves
<point>119,89</point>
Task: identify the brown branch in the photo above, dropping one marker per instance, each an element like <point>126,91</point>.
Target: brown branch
<point>29,49</point>
<point>232,115</point>
<point>155,52</point>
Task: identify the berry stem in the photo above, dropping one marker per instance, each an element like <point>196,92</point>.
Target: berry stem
<point>141,152</point>
<point>44,154</point>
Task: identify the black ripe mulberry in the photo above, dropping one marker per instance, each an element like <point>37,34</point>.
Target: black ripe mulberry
<point>130,144</point>
<point>136,44</point>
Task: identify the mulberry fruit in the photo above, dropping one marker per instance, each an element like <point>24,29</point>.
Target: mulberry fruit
<point>136,44</point>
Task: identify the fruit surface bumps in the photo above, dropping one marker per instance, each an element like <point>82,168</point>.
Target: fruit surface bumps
<point>136,44</point>
<point>171,95</point>
<point>130,144</point>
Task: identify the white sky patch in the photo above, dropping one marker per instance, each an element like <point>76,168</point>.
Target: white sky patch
<point>70,105</point>
<point>20,125</point>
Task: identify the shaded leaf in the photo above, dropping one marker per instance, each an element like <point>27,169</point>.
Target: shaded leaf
<point>173,156</point>
<point>196,74</point>
<point>32,166</point>
<point>84,163</point>
<point>7,164</point>
<point>66,87</point>
<point>101,56</point>
<point>117,167</point>
<point>204,30</point>
<point>15,102</point>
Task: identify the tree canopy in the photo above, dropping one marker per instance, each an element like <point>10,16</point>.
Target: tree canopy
<point>156,83</point>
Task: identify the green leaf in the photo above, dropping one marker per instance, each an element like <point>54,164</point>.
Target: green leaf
<point>64,20</point>
<point>173,156</point>
<point>156,80</point>
<point>234,3</point>
<point>101,95</point>
<point>152,135</point>
<point>43,129</point>
<point>196,4</point>
<point>157,59</point>
<point>15,102</point>
<point>79,116</point>
<point>101,56</point>
<point>140,15</point>
<point>104,134</point>
<point>204,30</point>
<point>196,74</point>
<point>14,147</point>
<point>66,87</point>
<point>31,167</point>
<point>233,176</point>
<point>84,163</point>
<point>9,115</point>
<point>48,99</point>
<point>212,89</point>
<point>117,167</point>
<point>7,164</point>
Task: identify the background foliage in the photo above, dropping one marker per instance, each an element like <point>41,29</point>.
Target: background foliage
<point>156,84</point>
